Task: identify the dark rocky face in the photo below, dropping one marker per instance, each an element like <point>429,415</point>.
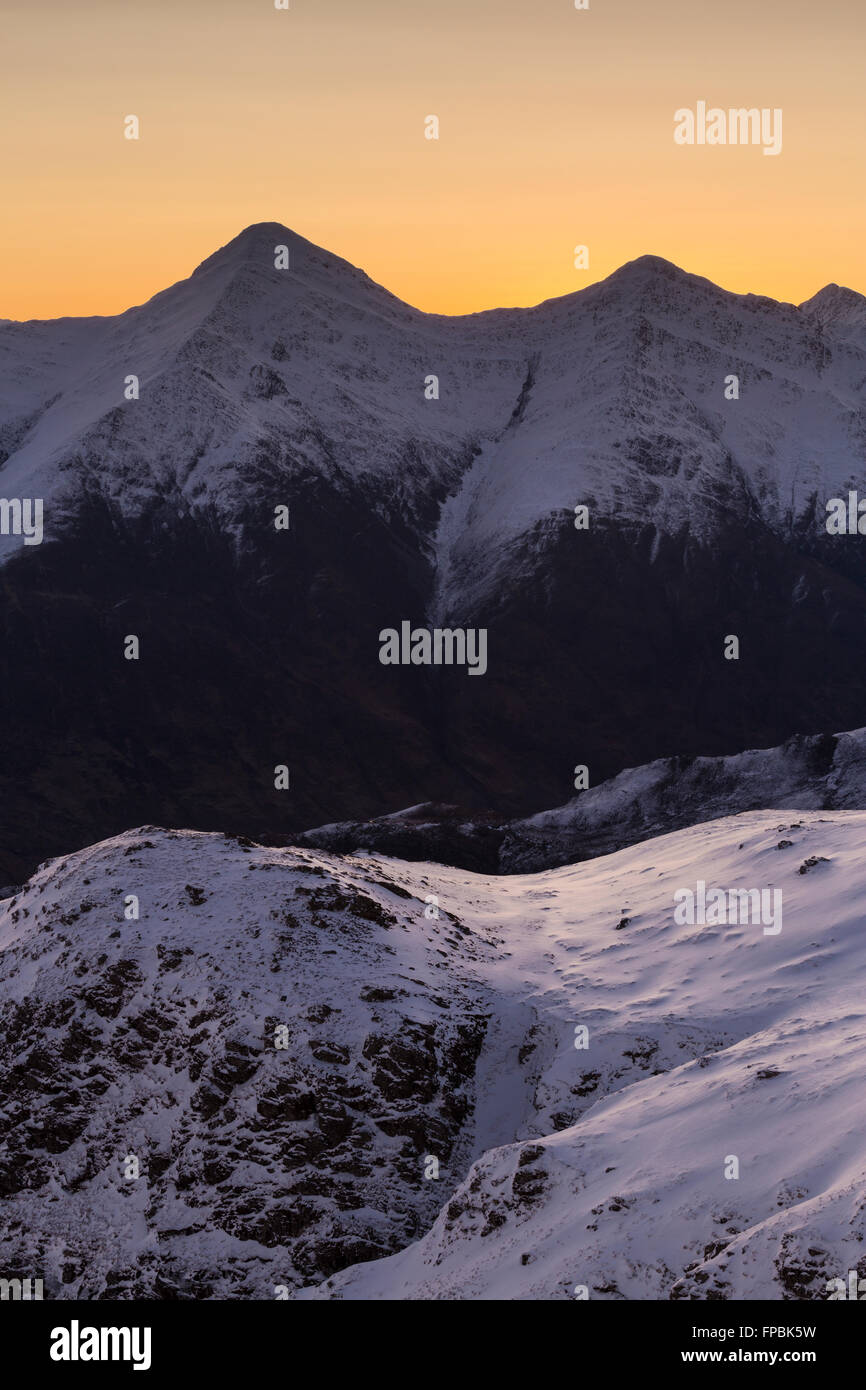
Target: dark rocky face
<point>259,658</point>
<point>258,1042</point>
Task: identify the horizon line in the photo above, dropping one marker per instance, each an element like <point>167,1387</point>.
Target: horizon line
<point>646,256</point>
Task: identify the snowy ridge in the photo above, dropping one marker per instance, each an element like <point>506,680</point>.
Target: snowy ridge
<point>411,1036</point>
<point>808,772</point>
<point>817,772</point>
<point>156,1040</point>
<point>706,1043</point>
<point>612,396</point>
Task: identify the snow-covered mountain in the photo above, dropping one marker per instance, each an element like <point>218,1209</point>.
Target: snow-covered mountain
<point>818,772</point>
<point>311,388</point>
<point>613,396</point>
<point>822,772</point>
<point>249,378</point>
<point>239,1092</point>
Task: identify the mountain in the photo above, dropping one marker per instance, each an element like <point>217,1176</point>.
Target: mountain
<point>328,367</point>
<point>308,388</point>
<point>823,772</point>
<point>818,772</point>
<point>265,1049</point>
<point>238,1092</point>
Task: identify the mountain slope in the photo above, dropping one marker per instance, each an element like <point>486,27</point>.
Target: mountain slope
<point>824,772</point>
<point>249,376</point>
<point>706,1045</point>
<point>234,1092</point>
<point>307,388</point>
<point>413,1037</point>
<point>818,772</point>
<point>242,355</point>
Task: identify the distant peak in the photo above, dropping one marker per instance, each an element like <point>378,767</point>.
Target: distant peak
<point>647,268</point>
<point>258,228</point>
<point>259,233</point>
<point>836,304</point>
<point>652,264</point>
<point>253,242</point>
<point>256,247</point>
<point>652,276</point>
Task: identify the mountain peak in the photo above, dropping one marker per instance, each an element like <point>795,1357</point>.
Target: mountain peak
<point>255,250</point>
<point>836,304</point>
<point>651,264</point>
<point>645,270</point>
<point>655,276</point>
<point>253,243</point>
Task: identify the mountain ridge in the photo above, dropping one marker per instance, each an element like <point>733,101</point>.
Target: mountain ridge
<point>237,1091</point>
<point>432,469</point>
<point>259,232</point>
<point>818,772</point>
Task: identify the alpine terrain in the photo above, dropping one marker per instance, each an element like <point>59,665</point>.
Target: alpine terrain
<point>295,1074</point>
<point>428,470</point>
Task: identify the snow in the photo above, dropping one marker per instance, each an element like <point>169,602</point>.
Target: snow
<point>612,396</point>
<point>686,1025</point>
<point>601,1167</point>
<point>805,773</point>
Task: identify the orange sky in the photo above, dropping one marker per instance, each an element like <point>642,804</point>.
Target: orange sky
<point>556,128</point>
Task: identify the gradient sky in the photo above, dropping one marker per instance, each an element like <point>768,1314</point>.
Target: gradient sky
<point>556,129</point>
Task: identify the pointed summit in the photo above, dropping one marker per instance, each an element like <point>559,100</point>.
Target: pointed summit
<point>836,304</point>
<point>658,276</point>
<point>256,244</point>
<point>649,267</point>
<point>274,251</point>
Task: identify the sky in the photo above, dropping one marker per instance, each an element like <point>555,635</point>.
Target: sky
<point>555,131</point>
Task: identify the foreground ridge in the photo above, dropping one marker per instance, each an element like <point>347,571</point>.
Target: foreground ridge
<point>245,1071</point>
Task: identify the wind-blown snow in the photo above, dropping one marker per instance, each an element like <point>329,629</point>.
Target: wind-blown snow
<point>705,1043</point>
<point>412,1036</point>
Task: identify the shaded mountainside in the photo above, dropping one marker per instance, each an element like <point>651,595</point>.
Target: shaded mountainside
<point>306,388</point>
<point>274,1043</point>
<point>822,772</point>
<point>238,1094</point>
